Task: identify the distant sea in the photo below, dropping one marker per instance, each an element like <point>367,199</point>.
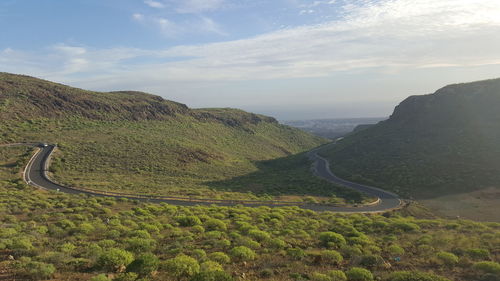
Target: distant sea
<point>332,128</point>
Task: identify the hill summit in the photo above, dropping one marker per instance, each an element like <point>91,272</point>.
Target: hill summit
<point>141,143</point>
<point>441,143</point>
<point>29,97</point>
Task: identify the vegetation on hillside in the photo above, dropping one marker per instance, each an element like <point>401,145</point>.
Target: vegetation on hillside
<point>139,143</point>
<point>47,235</point>
<point>442,143</point>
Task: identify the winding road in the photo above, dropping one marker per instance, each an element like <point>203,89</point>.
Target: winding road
<point>35,174</point>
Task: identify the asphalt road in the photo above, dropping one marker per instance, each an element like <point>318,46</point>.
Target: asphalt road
<point>388,200</point>
<point>35,175</point>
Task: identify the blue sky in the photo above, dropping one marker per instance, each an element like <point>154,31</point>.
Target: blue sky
<point>293,59</point>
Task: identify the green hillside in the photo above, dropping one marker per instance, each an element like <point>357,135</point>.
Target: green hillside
<point>443,143</point>
<point>137,142</point>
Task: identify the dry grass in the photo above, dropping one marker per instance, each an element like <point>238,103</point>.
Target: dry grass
<point>481,205</point>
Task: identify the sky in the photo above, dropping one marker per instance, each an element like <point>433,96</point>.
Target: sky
<point>291,59</point>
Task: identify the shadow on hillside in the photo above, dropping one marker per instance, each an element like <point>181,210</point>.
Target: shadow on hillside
<point>287,176</point>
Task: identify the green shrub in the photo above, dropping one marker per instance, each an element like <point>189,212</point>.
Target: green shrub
<point>140,245</point>
<point>144,265</point>
<point>276,243</point>
<point>35,270</point>
<point>487,267</point>
<point>22,245</point>
<point>188,220</point>
<point>320,277</point>
<point>219,257</point>
<point>425,250</point>
<point>115,259</point>
<point>112,234</point>
<point>100,277</point>
<point>331,257</point>
<point>370,261</point>
<point>331,239</point>
<point>259,235</point>
<point>213,234</point>
<point>7,232</point>
<point>403,226</point>
<point>337,275</point>
<point>351,251</point>
<point>92,251</point>
<point>85,228</point>
<point>212,276</point>
<point>42,229</point>
<point>296,253</point>
<point>67,248</point>
<point>447,258</point>
<point>359,274</point>
<point>65,224</point>
<point>215,224</point>
<point>199,254</point>
<point>242,253</point>
<point>141,234</point>
<point>182,266</point>
<point>127,276</point>
<point>395,250</point>
<point>211,266</point>
<point>247,242</point>
<point>79,264</point>
<point>414,276</point>
<point>478,254</point>
<point>198,229</point>
<point>107,243</point>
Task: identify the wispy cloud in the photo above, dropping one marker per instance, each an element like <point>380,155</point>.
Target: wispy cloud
<point>184,28</point>
<point>303,12</point>
<point>197,6</point>
<point>383,35</point>
<point>138,17</point>
<point>192,21</point>
<point>154,4</point>
<point>187,6</point>
<point>168,27</point>
<point>210,25</point>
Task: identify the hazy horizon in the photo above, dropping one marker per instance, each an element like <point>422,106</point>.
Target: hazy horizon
<point>291,59</point>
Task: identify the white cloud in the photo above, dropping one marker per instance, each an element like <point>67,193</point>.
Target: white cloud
<point>312,4</point>
<point>187,6</point>
<point>303,12</point>
<point>168,27</point>
<point>198,6</point>
<point>384,36</point>
<point>154,4</point>
<point>393,34</point>
<point>187,27</point>
<point>197,22</point>
<point>210,25</point>
<point>69,50</point>
<point>138,17</point>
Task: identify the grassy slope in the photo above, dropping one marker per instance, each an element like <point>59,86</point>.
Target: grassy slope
<point>135,142</point>
<point>433,145</point>
<point>72,232</point>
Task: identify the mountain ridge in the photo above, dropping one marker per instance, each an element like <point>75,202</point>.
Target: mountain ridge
<point>135,142</point>
<point>434,144</point>
<point>41,98</point>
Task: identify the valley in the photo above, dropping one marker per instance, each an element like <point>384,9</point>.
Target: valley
<point>146,145</point>
<point>433,146</point>
<point>139,188</point>
<point>237,140</point>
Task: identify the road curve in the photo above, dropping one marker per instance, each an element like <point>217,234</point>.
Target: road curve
<point>35,174</point>
<point>387,200</point>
